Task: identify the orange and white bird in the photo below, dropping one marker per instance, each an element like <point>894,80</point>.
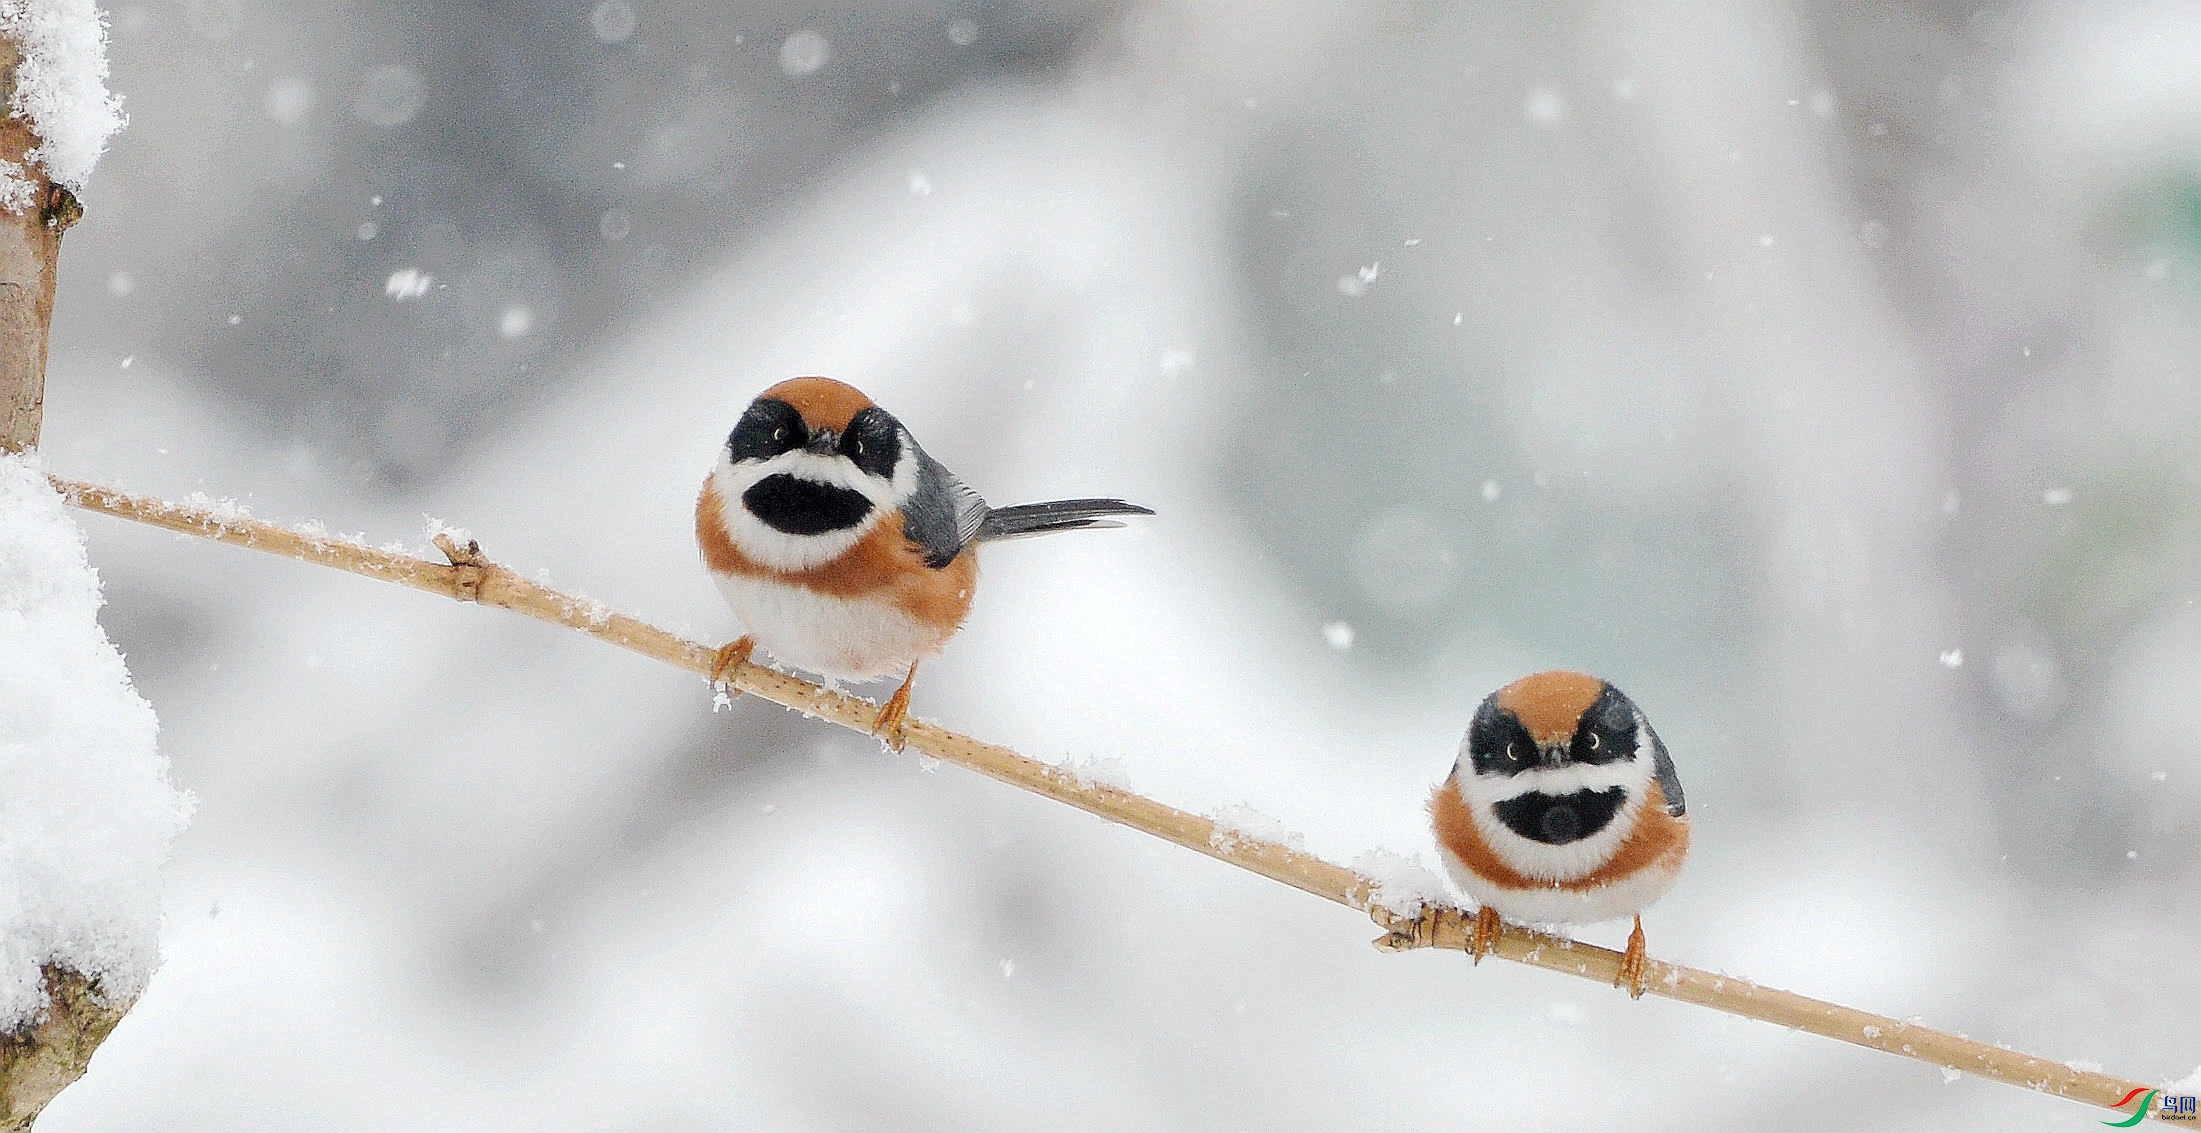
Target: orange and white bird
<point>842,547</point>
<point>1563,808</point>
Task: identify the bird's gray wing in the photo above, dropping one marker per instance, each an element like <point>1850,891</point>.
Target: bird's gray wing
<point>1669,780</point>
<point>943,515</point>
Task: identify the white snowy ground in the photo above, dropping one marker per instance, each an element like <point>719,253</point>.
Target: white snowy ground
<point>455,870</point>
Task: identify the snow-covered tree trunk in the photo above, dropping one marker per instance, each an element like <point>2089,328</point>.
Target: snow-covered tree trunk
<point>86,810</point>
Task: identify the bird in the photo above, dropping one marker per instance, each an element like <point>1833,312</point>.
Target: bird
<point>1562,808</point>
<point>843,547</point>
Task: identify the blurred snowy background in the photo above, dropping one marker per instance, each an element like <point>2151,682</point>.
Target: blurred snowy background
<point>1827,376</point>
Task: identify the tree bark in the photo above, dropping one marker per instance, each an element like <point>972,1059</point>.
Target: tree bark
<point>37,1063</point>
<point>30,247</point>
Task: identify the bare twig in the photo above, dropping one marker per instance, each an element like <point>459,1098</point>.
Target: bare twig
<point>471,577</point>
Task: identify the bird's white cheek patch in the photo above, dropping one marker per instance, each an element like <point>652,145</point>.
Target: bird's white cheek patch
<point>1565,861</point>
<point>1546,861</point>
<point>1632,774</point>
<point>846,638</point>
<point>833,471</point>
<point>768,545</point>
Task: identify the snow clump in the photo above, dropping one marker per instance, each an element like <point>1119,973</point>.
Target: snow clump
<point>87,813</point>
<point>60,90</point>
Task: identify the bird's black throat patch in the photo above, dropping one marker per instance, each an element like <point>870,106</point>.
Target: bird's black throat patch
<point>801,507</point>
<point>1556,820</point>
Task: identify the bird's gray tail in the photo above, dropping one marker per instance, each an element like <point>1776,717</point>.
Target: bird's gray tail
<point>1054,515</point>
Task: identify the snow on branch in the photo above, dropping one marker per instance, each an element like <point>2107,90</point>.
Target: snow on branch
<point>1389,891</point>
<point>60,89</point>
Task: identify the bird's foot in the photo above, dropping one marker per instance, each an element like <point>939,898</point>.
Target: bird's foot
<point>890,726</point>
<point>729,655</point>
<point>1485,940</point>
<point>1632,963</point>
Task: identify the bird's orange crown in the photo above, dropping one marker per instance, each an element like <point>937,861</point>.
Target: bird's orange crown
<point>823,402</point>
<point>1550,705</point>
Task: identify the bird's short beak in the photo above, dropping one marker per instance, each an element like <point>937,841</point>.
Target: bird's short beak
<point>824,442</point>
<point>1553,756</point>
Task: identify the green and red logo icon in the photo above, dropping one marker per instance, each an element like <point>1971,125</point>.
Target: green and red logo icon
<point>2174,1107</point>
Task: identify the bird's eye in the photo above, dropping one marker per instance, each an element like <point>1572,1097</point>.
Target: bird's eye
<point>1593,741</point>
<point>1513,751</point>
<point>859,448</point>
<point>779,434</point>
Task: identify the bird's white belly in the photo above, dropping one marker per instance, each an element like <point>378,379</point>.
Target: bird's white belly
<point>847,638</point>
<point>1625,897</point>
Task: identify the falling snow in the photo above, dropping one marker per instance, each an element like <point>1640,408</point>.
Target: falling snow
<point>1356,283</point>
<point>407,283</point>
<point>612,21</point>
<point>804,52</point>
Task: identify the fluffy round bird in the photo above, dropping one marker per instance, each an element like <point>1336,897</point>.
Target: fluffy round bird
<point>844,548</point>
<point>1563,807</point>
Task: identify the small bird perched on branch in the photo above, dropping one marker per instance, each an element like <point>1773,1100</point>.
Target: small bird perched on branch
<point>1562,808</point>
<point>843,548</point>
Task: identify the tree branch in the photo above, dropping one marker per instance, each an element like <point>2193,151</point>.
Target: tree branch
<point>30,250</point>
<point>471,577</point>
<point>36,1062</point>
<point>39,1062</point>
